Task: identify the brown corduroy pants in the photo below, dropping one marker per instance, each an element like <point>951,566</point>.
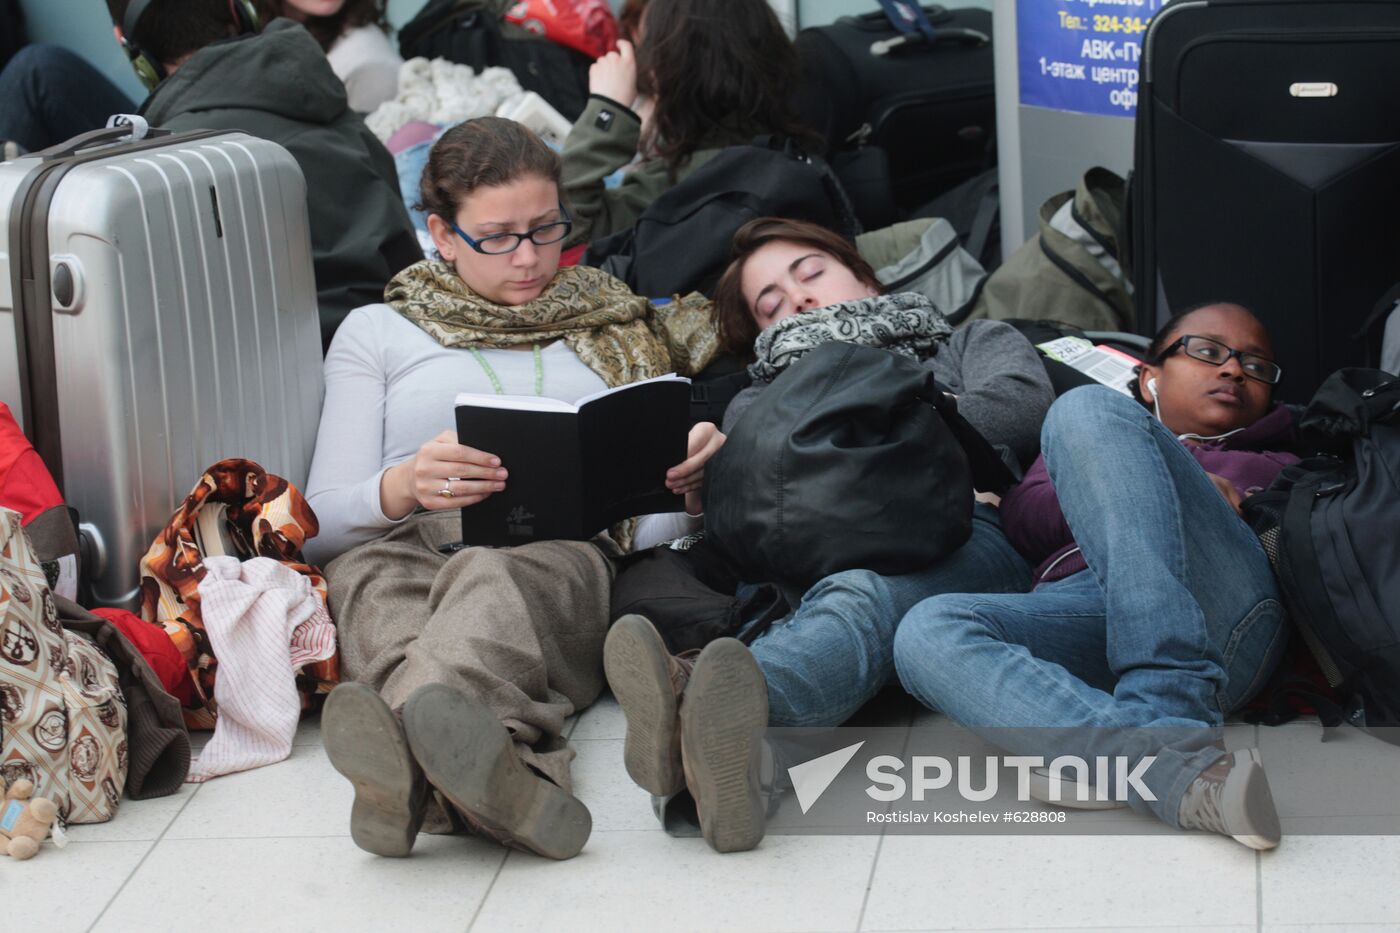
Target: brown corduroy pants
<point>519,629</point>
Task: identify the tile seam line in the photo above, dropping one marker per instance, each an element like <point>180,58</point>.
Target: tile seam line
<point>880,846</point>
<point>476,914</point>
<point>1258,868</point>
<point>137,867</point>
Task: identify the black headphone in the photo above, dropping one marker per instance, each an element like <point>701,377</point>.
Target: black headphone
<point>147,67</point>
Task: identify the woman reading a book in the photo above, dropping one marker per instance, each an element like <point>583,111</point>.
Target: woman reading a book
<point>468,661</point>
<point>793,286</point>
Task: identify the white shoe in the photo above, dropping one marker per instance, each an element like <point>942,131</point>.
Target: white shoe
<point>1232,797</point>
<point>1071,793</point>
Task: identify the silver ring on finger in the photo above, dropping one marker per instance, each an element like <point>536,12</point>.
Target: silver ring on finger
<point>446,490</point>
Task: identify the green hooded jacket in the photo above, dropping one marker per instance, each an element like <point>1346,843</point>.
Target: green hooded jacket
<point>277,85</point>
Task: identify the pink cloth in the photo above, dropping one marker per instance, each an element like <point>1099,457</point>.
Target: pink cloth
<point>411,134</point>
<point>264,622</point>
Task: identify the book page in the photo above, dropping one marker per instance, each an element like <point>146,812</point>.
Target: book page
<point>1104,365</point>
<point>515,402</point>
<point>669,377</point>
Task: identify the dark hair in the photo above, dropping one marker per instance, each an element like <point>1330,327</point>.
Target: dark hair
<point>1165,336</point>
<point>733,318</point>
<point>722,72</point>
<point>629,19</point>
<point>169,30</point>
<point>484,152</point>
<point>327,29</point>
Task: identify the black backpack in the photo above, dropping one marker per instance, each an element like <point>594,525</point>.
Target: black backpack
<point>1331,526</point>
<point>853,458</point>
<point>683,239</point>
<point>471,32</point>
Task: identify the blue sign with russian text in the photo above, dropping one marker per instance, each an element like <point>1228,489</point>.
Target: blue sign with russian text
<point>1082,55</point>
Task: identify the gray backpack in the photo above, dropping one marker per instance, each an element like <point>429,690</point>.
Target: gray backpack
<point>1070,273</point>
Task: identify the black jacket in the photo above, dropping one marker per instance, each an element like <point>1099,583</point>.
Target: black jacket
<point>277,85</point>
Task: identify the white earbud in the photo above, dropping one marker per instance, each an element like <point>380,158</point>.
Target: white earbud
<point>1156,403</point>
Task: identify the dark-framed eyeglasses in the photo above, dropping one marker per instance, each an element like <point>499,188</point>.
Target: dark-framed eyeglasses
<point>1208,350</point>
<point>498,243</point>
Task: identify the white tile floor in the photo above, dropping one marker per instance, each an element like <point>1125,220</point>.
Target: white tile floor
<point>270,850</point>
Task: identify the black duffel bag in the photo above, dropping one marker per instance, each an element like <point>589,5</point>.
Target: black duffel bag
<point>690,594</point>
<point>683,240</point>
<point>852,458</point>
<point>472,32</point>
<point>1329,525</point>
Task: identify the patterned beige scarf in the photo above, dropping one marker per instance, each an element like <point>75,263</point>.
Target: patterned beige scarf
<point>596,315</point>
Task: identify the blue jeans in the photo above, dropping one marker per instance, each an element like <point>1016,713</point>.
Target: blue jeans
<point>1175,623</point>
<point>48,95</point>
<point>836,650</point>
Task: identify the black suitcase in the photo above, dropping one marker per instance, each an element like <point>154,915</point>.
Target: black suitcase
<point>932,108</point>
<point>1268,170</point>
<point>468,33</point>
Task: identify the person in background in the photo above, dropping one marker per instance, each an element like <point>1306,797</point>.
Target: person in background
<point>469,662</point>
<point>792,287</point>
<point>716,73</point>
<point>212,66</point>
<point>49,94</point>
<point>1155,610</point>
<point>355,37</point>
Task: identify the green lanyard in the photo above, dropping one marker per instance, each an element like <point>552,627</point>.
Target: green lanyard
<point>495,380</point>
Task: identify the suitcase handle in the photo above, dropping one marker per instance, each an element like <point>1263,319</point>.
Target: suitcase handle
<point>916,40</point>
<point>94,138</point>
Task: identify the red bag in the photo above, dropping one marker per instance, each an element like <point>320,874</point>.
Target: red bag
<point>27,487</point>
<point>586,25</point>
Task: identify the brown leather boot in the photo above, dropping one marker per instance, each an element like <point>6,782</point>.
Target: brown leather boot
<point>648,682</point>
<point>723,715</point>
<point>365,741</point>
<point>469,756</point>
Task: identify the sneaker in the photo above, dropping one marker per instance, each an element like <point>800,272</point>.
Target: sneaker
<point>365,742</point>
<point>648,681</point>
<point>723,714</point>
<point>1072,794</point>
<point>1232,798</point>
<point>469,756</point>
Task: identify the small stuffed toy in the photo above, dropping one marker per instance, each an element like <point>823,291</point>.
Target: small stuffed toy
<point>24,819</point>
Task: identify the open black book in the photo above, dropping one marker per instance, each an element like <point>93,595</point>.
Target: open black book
<point>575,470</point>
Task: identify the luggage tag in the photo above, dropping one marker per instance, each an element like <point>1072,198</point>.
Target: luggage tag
<point>911,22</point>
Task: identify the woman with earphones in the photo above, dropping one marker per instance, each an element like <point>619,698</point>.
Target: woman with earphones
<point>1154,602</point>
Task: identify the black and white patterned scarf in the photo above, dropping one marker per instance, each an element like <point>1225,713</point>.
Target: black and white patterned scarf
<point>905,323</point>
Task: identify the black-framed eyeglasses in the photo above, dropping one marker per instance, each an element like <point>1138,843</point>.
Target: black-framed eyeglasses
<point>1208,350</point>
<point>498,243</point>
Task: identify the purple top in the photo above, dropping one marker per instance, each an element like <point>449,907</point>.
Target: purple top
<point>1033,522</point>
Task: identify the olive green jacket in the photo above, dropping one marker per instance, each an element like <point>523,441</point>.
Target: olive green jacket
<point>604,139</point>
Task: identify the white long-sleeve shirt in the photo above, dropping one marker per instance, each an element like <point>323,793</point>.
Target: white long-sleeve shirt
<point>390,388</point>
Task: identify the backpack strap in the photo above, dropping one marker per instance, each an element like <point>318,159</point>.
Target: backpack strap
<point>1372,330</point>
<point>1287,700</point>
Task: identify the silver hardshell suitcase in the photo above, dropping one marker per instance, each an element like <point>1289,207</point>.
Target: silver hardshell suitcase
<point>157,314</point>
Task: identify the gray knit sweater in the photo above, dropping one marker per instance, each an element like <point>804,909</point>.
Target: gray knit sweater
<point>997,376</point>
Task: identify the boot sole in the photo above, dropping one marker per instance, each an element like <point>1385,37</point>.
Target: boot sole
<point>1249,803</point>
<point>723,716</point>
<point>366,744</point>
<point>468,755</point>
<point>634,659</point>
